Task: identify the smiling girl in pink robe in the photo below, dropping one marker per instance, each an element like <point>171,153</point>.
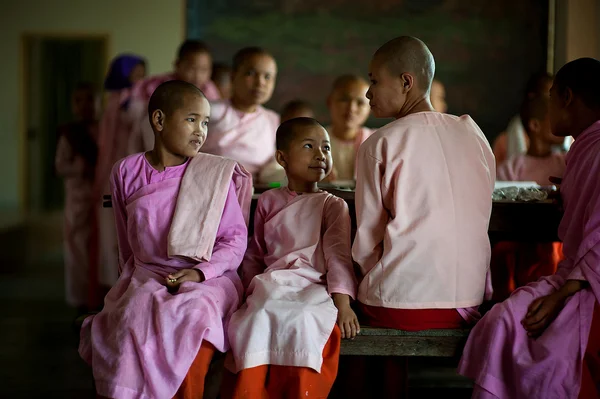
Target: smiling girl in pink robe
<point>299,278</point>
<point>178,285</point>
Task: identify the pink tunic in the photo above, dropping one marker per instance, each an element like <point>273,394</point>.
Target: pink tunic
<point>423,204</point>
<point>299,255</point>
<point>344,153</point>
<point>141,345</point>
<point>246,138</point>
<point>527,168</point>
<point>499,355</point>
<point>79,201</point>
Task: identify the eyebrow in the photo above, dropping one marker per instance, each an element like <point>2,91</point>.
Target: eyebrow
<point>313,140</point>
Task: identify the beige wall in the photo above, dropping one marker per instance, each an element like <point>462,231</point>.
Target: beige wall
<point>152,28</point>
<point>577,30</point>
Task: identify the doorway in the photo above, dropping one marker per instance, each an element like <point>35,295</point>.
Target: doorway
<point>53,66</point>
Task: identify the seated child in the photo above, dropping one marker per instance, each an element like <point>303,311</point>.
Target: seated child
<point>182,235</point>
<point>438,96</point>
<point>76,156</point>
<point>221,77</point>
<point>533,345</point>
<point>297,109</point>
<point>299,279</point>
<point>349,109</point>
<point>193,65</point>
<point>241,128</point>
<point>423,202</point>
<point>514,264</point>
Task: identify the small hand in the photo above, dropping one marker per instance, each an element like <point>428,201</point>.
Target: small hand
<point>346,318</point>
<point>174,280</point>
<point>541,313</point>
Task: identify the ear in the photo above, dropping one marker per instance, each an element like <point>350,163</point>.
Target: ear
<point>568,97</point>
<point>280,157</point>
<point>158,120</point>
<point>534,125</point>
<point>408,81</point>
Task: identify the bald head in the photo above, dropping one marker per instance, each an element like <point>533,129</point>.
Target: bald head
<point>170,96</point>
<point>582,77</point>
<point>345,80</point>
<point>289,129</point>
<point>407,54</point>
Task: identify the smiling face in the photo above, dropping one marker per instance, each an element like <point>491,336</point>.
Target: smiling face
<point>253,82</point>
<point>348,105</point>
<point>386,94</point>
<point>307,158</point>
<point>183,130</point>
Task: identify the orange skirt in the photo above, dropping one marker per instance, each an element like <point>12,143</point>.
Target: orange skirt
<point>410,319</point>
<point>272,381</point>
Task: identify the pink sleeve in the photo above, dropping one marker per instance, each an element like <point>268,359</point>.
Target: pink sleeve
<point>254,263</point>
<point>371,216</point>
<point>336,246</point>
<point>231,241</point>
<point>120,211</point>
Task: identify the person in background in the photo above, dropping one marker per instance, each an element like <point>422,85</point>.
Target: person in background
<point>76,157</point>
<point>297,109</point>
<point>349,110</point>
<point>221,77</point>
<point>437,96</point>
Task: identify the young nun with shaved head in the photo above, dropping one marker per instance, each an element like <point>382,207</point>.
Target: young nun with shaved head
<point>544,340</point>
<point>181,227</point>
<point>423,201</point>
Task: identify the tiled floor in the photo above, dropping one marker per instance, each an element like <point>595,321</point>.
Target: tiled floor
<point>38,344</point>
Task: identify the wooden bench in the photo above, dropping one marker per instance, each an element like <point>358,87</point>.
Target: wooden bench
<point>388,342</point>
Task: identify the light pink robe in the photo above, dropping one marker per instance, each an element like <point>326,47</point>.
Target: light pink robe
<point>344,153</point>
<point>527,168</point>
<point>499,356</point>
<point>423,204</point>
<point>141,345</point>
<point>246,138</point>
<point>142,137</point>
<point>77,217</point>
<point>298,257</point>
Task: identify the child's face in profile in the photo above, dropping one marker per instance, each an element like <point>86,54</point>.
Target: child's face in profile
<point>349,106</point>
<point>386,94</point>
<point>184,130</point>
<point>308,158</point>
<point>194,68</point>
<point>137,73</point>
<point>545,132</point>
<point>254,80</point>
<point>559,117</point>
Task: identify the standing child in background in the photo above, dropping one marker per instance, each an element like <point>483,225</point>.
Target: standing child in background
<point>193,65</point>
<point>438,96</point>
<point>76,156</point>
<point>296,109</point>
<point>113,140</point>
<point>423,204</point>
<point>299,278</point>
<point>221,77</point>
<point>182,235</point>
<point>544,340</point>
<point>514,264</point>
<point>241,128</point>
<point>349,109</point>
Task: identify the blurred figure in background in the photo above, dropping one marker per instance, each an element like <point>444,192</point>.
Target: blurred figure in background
<point>221,77</point>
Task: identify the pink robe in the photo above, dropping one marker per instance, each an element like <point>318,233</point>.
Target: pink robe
<point>344,153</point>
<point>246,138</point>
<point>141,345</point>
<point>77,217</point>
<point>527,168</point>
<point>423,204</point>
<point>142,137</point>
<point>499,356</point>
<point>298,257</point>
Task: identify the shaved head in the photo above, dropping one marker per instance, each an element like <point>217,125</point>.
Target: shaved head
<point>407,54</point>
<point>169,96</point>
<point>582,76</point>
<point>345,80</point>
<point>289,129</point>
